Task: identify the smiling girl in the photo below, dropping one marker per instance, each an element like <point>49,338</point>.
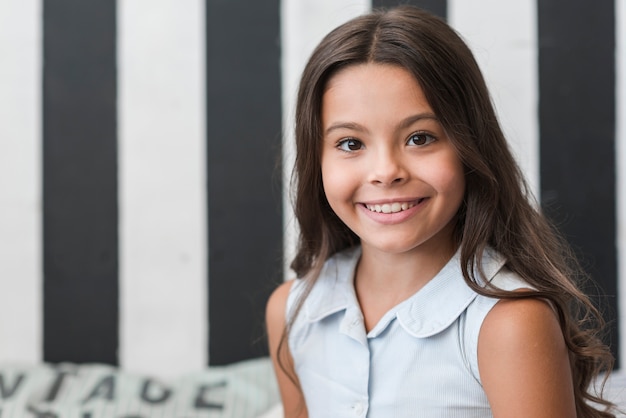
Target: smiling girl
<point>428,282</point>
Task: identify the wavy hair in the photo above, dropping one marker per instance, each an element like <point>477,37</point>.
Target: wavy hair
<point>498,210</point>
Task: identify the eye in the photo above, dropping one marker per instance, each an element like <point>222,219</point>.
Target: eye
<point>349,145</point>
<point>420,138</point>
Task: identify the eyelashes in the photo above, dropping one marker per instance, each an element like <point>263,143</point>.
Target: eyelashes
<point>416,139</point>
<point>349,145</point>
<point>420,139</point>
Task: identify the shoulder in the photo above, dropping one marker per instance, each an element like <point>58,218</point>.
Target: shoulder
<point>290,393</point>
<point>277,303</point>
<point>523,360</point>
<point>527,320</point>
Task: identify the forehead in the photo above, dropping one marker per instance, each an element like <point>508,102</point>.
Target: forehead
<point>370,92</point>
<point>355,73</point>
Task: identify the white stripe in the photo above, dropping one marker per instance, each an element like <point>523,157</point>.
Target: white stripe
<point>303,25</point>
<point>620,144</point>
<point>20,180</point>
<point>503,37</point>
<point>162,180</point>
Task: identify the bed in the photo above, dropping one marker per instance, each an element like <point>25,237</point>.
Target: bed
<point>68,390</point>
<point>245,389</point>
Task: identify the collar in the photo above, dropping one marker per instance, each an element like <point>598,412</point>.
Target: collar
<point>334,290</point>
<point>428,312</point>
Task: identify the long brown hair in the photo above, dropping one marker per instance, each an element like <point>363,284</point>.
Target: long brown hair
<point>498,210</point>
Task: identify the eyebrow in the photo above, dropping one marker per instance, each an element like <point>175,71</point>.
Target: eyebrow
<point>405,123</point>
<point>345,125</point>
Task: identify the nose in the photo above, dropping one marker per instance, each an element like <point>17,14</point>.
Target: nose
<point>388,168</point>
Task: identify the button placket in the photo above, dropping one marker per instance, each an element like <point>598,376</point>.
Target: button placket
<point>358,408</point>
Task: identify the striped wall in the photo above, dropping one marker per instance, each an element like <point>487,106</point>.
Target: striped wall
<point>244,188</point>
<point>162,185</point>
<point>20,180</point>
<point>620,162</point>
<point>145,152</point>
<point>577,113</point>
<point>80,195</point>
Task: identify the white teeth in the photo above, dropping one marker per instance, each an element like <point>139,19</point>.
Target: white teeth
<point>390,207</point>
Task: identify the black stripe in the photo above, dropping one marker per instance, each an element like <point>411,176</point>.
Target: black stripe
<point>577,127</point>
<point>80,254</point>
<point>438,7</point>
<point>244,196</point>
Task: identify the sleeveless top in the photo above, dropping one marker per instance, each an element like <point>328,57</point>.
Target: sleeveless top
<point>421,359</point>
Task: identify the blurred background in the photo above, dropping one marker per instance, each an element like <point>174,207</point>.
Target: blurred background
<point>146,148</point>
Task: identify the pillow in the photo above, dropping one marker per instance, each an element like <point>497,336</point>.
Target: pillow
<point>240,390</point>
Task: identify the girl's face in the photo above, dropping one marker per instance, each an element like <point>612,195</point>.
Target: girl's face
<point>389,171</point>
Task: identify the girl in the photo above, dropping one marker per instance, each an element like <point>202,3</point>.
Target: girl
<point>429,284</point>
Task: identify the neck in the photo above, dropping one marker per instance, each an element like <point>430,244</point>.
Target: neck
<point>394,272</point>
<point>383,280</point>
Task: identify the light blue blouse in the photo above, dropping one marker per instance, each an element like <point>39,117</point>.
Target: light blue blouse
<point>419,360</point>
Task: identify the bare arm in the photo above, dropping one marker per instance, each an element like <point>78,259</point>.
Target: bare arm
<point>524,363</point>
<point>290,393</point>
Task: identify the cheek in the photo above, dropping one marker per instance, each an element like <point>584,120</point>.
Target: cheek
<point>332,182</point>
<point>450,178</point>
<point>339,185</point>
<point>327,176</point>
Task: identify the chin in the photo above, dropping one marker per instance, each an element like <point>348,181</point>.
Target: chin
<point>394,244</point>
<point>391,247</point>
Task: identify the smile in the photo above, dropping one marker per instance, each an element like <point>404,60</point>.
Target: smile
<point>393,207</point>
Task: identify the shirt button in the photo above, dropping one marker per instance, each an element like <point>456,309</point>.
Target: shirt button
<point>358,409</point>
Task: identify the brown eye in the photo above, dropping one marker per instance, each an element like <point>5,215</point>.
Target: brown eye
<point>350,144</point>
<point>420,139</point>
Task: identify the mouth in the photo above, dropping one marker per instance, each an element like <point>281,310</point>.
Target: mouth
<point>392,207</point>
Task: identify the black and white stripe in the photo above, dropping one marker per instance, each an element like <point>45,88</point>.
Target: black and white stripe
<point>80,217</point>
<point>620,159</point>
<point>244,177</point>
<point>577,114</point>
<point>162,185</point>
<point>142,216</point>
<point>20,180</point>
